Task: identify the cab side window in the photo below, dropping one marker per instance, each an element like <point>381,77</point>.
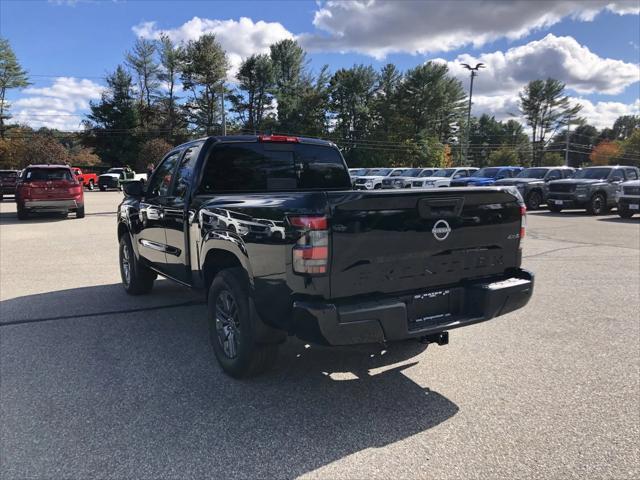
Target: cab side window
<point>160,182</point>
<point>554,175</point>
<point>185,170</point>
<point>632,174</point>
<point>617,176</point>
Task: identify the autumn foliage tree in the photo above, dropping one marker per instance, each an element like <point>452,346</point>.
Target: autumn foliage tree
<point>152,151</point>
<point>604,153</point>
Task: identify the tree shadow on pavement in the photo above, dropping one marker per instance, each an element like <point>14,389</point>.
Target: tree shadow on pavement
<point>619,219</point>
<point>139,394</point>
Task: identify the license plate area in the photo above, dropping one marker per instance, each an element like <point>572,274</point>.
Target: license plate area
<point>434,307</point>
<point>634,206</point>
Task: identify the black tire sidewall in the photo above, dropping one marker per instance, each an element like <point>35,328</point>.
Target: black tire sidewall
<point>231,280</point>
<point>603,204</point>
<point>533,195</point>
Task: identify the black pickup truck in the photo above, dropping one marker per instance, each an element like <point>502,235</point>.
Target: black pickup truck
<point>271,229</point>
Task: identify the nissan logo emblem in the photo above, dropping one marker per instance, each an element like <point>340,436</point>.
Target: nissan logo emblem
<point>441,230</point>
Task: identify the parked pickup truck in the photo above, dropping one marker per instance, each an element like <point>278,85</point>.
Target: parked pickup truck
<point>593,188</point>
<point>89,180</point>
<point>352,267</point>
<point>629,199</point>
<point>117,177</point>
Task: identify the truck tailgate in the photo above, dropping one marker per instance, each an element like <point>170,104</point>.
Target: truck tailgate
<point>400,241</point>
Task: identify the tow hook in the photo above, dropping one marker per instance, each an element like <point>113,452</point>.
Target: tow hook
<point>441,338</point>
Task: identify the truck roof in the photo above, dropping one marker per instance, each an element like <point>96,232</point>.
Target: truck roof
<point>265,138</point>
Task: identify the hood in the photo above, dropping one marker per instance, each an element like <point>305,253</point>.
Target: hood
<point>632,183</point>
<point>112,175</point>
<point>373,177</point>
<point>517,181</point>
<point>433,179</point>
<point>578,181</point>
<point>473,180</point>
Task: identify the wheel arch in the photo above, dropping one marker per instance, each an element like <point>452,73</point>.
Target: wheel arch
<point>216,259</point>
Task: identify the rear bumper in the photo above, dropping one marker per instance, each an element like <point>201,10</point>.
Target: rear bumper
<point>392,319</point>
<point>61,205</point>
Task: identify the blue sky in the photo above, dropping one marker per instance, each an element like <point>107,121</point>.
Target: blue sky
<point>594,47</point>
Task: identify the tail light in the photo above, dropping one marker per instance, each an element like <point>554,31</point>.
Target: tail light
<point>311,251</point>
<point>523,223</point>
<point>277,138</point>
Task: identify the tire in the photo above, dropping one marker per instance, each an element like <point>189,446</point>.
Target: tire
<point>233,328</point>
<point>625,212</point>
<point>22,213</point>
<point>597,204</point>
<point>1,197</point>
<point>533,201</point>
<point>554,208</point>
<point>377,187</point>
<point>91,185</point>
<point>136,278</point>
<point>102,188</point>
<point>80,212</point>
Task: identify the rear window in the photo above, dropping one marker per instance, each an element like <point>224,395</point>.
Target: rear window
<point>247,167</point>
<point>47,174</point>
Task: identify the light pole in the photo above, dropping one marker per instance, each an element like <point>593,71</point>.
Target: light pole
<point>474,73</point>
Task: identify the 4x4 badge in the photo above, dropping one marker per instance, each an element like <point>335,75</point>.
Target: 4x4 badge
<point>441,230</point>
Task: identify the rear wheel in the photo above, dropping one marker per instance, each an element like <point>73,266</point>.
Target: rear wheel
<point>597,205</point>
<point>91,185</point>
<point>233,328</point>
<point>136,278</point>
<point>554,208</point>
<point>102,188</point>
<point>80,212</point>
<point>534,199</point>
<point>625,212</point>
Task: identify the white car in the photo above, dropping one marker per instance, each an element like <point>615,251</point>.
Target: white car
<point>443,177</point>
<point>404,180</point>
<point>374,177</point>
<point>116,176</point>
<point>276,228</point>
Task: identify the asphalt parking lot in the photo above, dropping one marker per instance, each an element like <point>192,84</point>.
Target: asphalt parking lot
<point>98,384</point>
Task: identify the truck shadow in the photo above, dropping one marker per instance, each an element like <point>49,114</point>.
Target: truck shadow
<point>139,391</point>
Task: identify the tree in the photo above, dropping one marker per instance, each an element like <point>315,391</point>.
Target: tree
<point>385,108</point>
<point>84,156</point>
<point>152,151</point>
<point>546,109</point>
<point>351,97</point>
<point>171,57</point>
<point>431,101</point>
<point>203,74</point>
<point>581,141</point>
<point>630,147</point>
<point>624,126</point>
<point>605,153</point>
<point>503,156</point>
<point>113,122</point>
<point>142,61</point>
<point>253,103</point>
<point>12,75</point>
<point>552,159</point>
<point>289,61</point>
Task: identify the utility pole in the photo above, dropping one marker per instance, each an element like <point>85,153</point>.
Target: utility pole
<point>566,148</point>
<point>474,73</point>
<point>224,118</point>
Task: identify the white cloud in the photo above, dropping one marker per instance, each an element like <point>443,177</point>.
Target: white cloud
<point>240,38</point>
<point>380,27</point>
<point>562,58</point>
<point>60,105</point>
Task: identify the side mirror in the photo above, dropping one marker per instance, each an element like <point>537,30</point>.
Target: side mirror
<point>133,189</point>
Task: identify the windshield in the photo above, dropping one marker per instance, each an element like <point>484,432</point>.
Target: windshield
<point>397,173</point>
<point>444,172</point>
<point>593,173</point>
<point>380,172</point>
<point>532,173</point>
<point>426,173</point>
<point>359,172</point>
<point>115,170</point>
<point>486,172</point>
<point>48,174</point>
<point>412,172</point>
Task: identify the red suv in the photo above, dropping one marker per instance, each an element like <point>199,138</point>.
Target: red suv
<point>49,188</point>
